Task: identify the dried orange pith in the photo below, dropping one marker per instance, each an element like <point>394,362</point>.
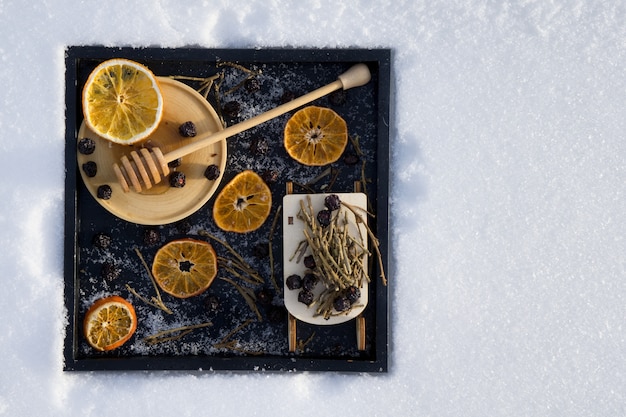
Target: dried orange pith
<point>122,101</point>
<point>316,136</point>
<point>185,267</point>
<point>244,203</point>
<point>109,323</point>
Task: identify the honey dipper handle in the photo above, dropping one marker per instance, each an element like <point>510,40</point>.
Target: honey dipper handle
<point>356,76</point>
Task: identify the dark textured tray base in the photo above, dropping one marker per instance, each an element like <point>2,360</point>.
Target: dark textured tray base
<point>258,344</point>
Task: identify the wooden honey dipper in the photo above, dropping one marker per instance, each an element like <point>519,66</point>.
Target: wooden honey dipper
<point>149,166</point>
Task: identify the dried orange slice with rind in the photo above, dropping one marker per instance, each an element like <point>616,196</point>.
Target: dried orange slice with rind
<point>122,101</point>
<point>316,136</point>
<point>244,203</point>
<point>109,323</point>
<point>185,267</point>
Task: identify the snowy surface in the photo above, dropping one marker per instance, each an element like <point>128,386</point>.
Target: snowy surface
<point>509,171</point>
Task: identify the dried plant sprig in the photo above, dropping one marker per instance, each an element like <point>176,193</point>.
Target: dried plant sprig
<point>302,343</point>
<point>157,301</point>
<point>247,295</point>
<point>240,271</point>
<point>355,140</point>
<point>250,74</point>
<point>239,260</point>
<point>373,239</point>
<point>169,334</point>
<point>227,343</point>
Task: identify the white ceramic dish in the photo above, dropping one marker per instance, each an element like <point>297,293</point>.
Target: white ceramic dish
<point>292,236</point>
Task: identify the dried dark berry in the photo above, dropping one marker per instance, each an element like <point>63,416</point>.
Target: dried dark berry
<point>90,168</point>
<point>187,129</point>
<point>276,314</point>
<point>261,250</point>
<point>151,236</point>
<point>306,297</point>
<point>212,172</point>
<point>351,159</point>
<point>177,179</point>
<point>104,192</point>
<point>332,202</point>
<point>264,296</point>
<point>110,271</point>
<point>259,146</point>
<point>287,96</point>
<point>212,303</point>
<point>86,146</point>
<point>353,294</point>
<point>337,98</point>
<point>309,261</point>
<point>183,226</point>
<point>294,282</point>
<point>175,163</point>
<point>324,217</point>
<point>231,109</point>
<point>341,303</point>
<point>101,240</point>
<point>252,85</point>
<point>309,281</point>
<point>269,176</point>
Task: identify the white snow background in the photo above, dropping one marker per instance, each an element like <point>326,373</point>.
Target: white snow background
<point>508,277</point>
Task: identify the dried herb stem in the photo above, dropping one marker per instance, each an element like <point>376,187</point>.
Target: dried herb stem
<point>239,261</point>
<point>157,301</point>
<point>372,237</point>
<point>247,295</point>
<point>302,343</point>
<point>168,335</point>
<point>226,343</point>
<point>235,330</point>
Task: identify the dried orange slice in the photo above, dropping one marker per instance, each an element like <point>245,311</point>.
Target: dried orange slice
<point>109,323</point>
<point>244,203</point>
<point>122,101</point>
<point>316,136</point>
<point>185,267</point>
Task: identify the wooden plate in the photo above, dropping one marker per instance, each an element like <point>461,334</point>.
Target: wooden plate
<point>292,236</point>
<point>161,204</point>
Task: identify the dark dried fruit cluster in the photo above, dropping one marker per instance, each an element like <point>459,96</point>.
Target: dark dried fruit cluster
<point>212,172</point>
<point>259,146</point>
<point>337,98</point>
<point>252,85</point>
<point>270,176</point>
<point>101,240</point>
<point>104,192</point>
<point>90,169</point>
<point>231,109</point>
<point>86,146</point>
<point>110,271</point>
<point>177,179</point>
<point>151,236</point>
<point>187,129</point>
<point>287,96</point>
<point>265,298</point>
<point>175,163</point>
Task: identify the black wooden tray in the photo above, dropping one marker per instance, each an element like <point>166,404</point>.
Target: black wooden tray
<point>237,340</point>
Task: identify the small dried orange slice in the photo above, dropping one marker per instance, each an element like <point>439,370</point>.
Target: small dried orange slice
<point>122,101</point>
<point>109,323</point>
<point>316,136</point>
<point>244,203</point>
<point>185,267</point>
